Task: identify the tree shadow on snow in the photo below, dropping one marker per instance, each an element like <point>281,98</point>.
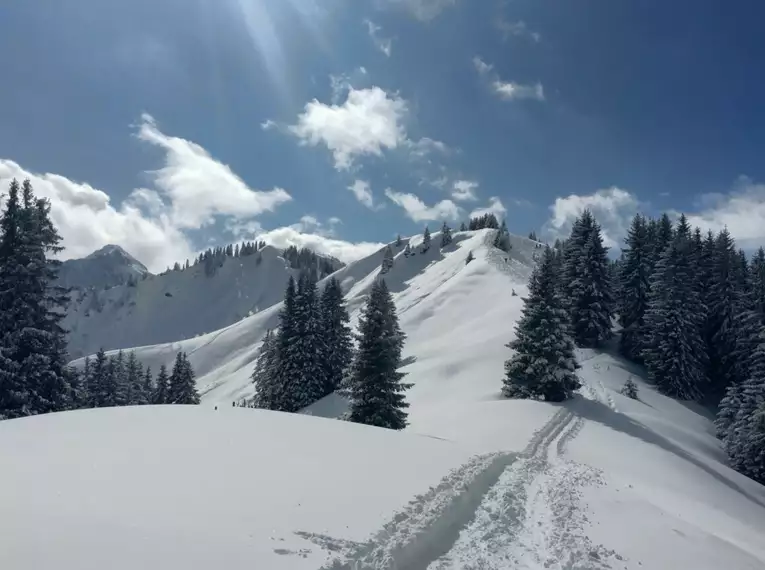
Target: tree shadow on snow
<point>602,414</point>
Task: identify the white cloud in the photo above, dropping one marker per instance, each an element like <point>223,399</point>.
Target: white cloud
<point>368,122</point>
<point>464,190</point>
<point>518,29</point>
<point>343,250</point>
<point>268,125</point>
<point>495,207</point>
<point>200,187</point>
<point>742,211</point>
<point>363,192</point>
<point>481,66</point>
<point>425,146</point>
<point>424,10</point>
<point>385,45</point>
<point>418,211</point>
<point>508,90</point>
<point>309,224</point>
<point>87,220</point>
<point>612,207</point>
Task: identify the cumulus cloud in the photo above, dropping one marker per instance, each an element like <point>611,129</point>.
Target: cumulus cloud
<point>418,211</point>
<point>343,250</point>
<point>87,219</point>
<point>200,187</point>
<point>362,190</point>
<point>481,66</point>
<point>424,10</point>
<point>742,211</point>
<point>464,190</point>
<point>495,207</point>
<point>385,45</point>
<point>612,207</point>
<point>368,122</point>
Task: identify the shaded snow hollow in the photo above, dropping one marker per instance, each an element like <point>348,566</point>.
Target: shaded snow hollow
<point>475,482</point>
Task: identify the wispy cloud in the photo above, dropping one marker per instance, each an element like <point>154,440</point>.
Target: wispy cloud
<point>385,45</point>
<point>424,10</point>
<point>300,236</point>
<point>465,190</point>
<point>495,207</point>
<point>507,90</point>
<point>362,190</point>
<point>517,29</point>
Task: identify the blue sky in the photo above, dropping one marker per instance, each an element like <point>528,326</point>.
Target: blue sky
<point>168,125</point>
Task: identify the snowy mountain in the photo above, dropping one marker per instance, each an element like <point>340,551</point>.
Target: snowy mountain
<point>475,482</point>
<point>109,266</point>
<point>177,304</point>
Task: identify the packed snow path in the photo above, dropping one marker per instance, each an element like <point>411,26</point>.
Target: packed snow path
<point>499,510</point>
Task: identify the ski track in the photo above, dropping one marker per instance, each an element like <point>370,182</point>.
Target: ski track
<point>495,510</point>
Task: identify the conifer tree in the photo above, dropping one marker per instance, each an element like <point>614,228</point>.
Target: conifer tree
<point>446,235</point>
<point>337,334</point>
<point>376,387</point>
<point>118,384</point>
<point>407,251</point>
<point>162,387</point>
<point>387,262</point>
<point>285,345</point>
<point>134,381</point>
<point>182,389</point>
<point>544,365</point>
<point>630,389</point>
<point>148,386</point>
<point>673,350</point>
<point>98,380</point>
<point>634,276</point>
<point>398,240</point>
<point>469,257</point>
<point>463,227</point>
<point>265,375</point>
<point>589,299</point>
<point>757,280</point>
<point>425,241</point>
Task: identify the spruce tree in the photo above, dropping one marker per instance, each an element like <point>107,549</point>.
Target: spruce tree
<point>376,386</point>
<point>285,346</point>
<point>446,235</point>
<point>182,389</point>
<point>337,334</point>
<point>148,386</point>
<point>387,262</point>
<point>425,241</point>
<point>398,240</point>
<point>265,374</point>
<point>33,358</point>
<point>98,380</point>
<point>634,275</point>
<point>544,365</point>
<point>673,349</point>
<point>589,296</point>
<point>463,227</point>
<point>134,381</point>
<point>407,251</point>
<point>118,392</point>
<point>757,280</point>
<point>630,389</point>
<point>469,257</point>
<point>162,387</point>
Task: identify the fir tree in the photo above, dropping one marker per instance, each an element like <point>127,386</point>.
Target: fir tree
<point>425,241</point>
<point>337,334</point>
<point>630,389</point>
<point>533,236</point>
<point>463,227</point>
<point>544,365</point>
<point>589,296</point>
<point>387,262</point>
<point>98,380</point>
<point>265,375</point>
<point>634,276</point>
<point>757,280</point>
<point>288,332</point>
<point>376,386</point>
<point>148,386</point>
<point>469,257</point>
<point>182,389</point>
<point>673,349</point>
<point>446,235</point>
<point>398,240</point>
<point>407,251</point>
<point>134,381</point>
<point>118,393</point>
<point>162,387</point>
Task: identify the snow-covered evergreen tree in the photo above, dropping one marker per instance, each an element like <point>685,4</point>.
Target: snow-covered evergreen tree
<point>630,389</point>
<point>376,386</point>
<point>162,387</point>
<point>673,350</point>
<point>32,343</point>
<point>469,257</point>
<point>757,281</point>
<point>407,251</point>
<point>182,388</point>
<point>446,235</point>
<point>134,381</point>
<point>398,240</point>
<point>285,343</point>
<point>387,262</point>
<point>634,275</point>
<point>265,375</point>
<point>148,386</point>
<point>463,227</point>
<point>337,334</point>
<point>588,295</point>
<point>425,241</point>
<point>544,365</point>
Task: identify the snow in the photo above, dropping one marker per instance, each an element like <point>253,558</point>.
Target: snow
<point>475,481</point>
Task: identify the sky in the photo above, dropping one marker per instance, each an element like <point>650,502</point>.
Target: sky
<point>168,126</point>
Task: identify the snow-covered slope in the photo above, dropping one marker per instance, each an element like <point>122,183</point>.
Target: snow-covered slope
<point>475,482</point>
<point>109,266</point>
<point>177,304</point>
